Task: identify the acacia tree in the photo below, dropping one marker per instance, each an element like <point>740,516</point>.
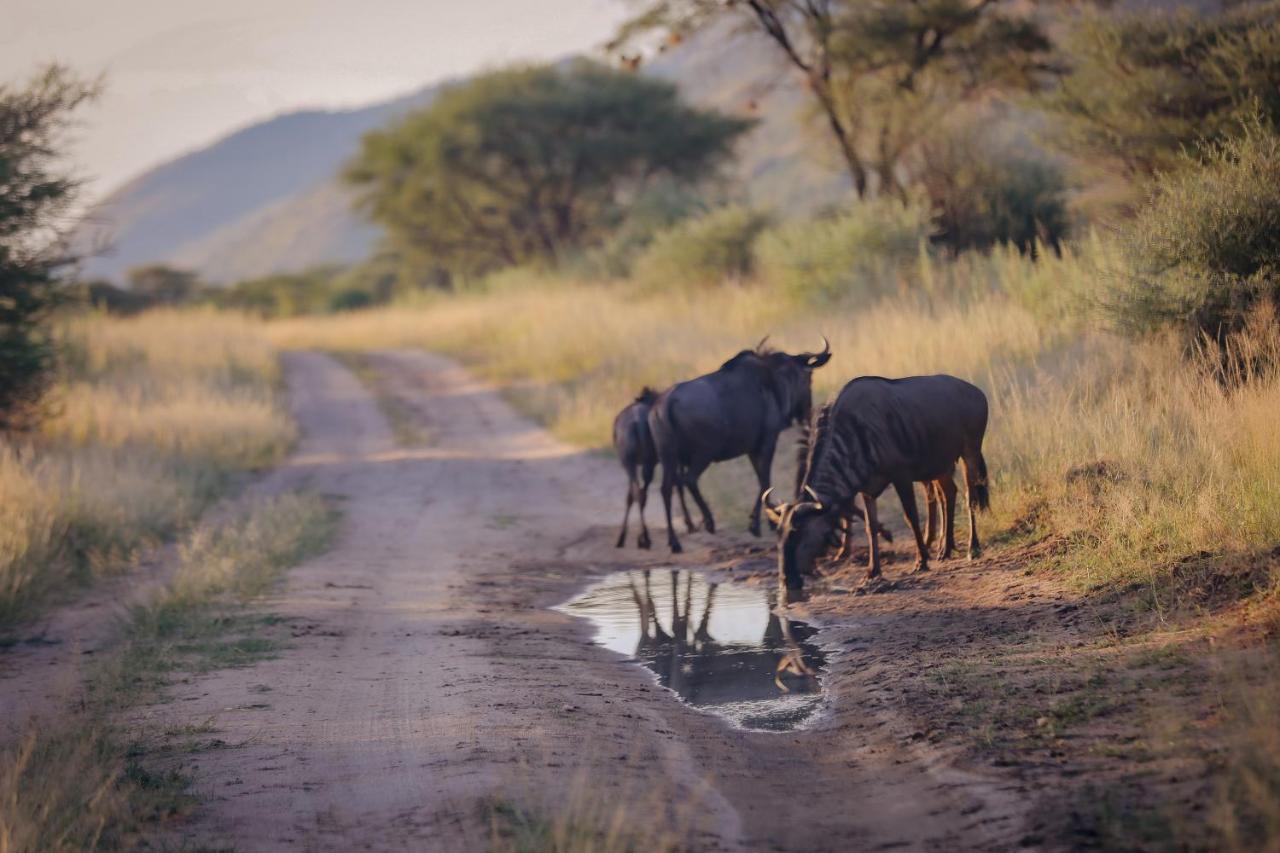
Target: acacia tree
<point>34,198</point>
<point>1144,89</point>
<point>521,165</point>
<point>880,72</point>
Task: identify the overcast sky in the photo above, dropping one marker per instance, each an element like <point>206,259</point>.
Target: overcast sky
<point>181,73</point>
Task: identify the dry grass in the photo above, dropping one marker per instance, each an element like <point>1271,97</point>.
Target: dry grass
<point>83,783</point>
<point>152,415</point>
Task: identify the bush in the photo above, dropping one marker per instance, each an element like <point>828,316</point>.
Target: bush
<point>654,210</point>
<point>859,252</point>
<point>1206,248</point>
<point>987,191</point>
<point>704,250</point>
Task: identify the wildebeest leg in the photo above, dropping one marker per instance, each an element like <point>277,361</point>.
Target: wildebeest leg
<point>974,477</point>
<point>632,485</point>
<point>907,495</point>
<point>688,519</point>
<point>762,462</point>
<point>691,476</point>
<point>930,514</point>
<point>947,486</point>
<point>873,566</point>
<point>844,530</point>
<point>669,480</point>
<point>647,473</point>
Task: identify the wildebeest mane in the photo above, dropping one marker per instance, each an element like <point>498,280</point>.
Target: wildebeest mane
<point>807,446</point>
<point>647,396</point>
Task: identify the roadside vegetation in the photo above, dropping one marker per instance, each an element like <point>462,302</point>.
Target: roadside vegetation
<point>90,781</point>
<point>150,419</point>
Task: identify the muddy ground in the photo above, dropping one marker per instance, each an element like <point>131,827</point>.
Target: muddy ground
<point>424,681</point>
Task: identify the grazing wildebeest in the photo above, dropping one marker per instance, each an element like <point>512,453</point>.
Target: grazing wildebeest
<point>876,433</point>
<point>738,410</point>
<point>634,445</point>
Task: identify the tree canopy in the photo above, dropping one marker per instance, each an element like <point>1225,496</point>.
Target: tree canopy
<point>521,165</point>
<point>1145,88</point>
<point>882,74</point>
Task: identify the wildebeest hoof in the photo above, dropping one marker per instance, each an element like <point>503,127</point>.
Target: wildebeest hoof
<point>710,525</point>
<point>691,527</point>
<point>676,548</point>
<point>920,566</point>
<point>642,542</point>
<point>754,530</point>
<point>873,584</point>
<point>975,553</point>
<point>622,540</point>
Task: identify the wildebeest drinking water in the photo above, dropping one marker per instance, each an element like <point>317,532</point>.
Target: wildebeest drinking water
<point>738,410</point>
<point>876,433</point>
<point>634,445</point>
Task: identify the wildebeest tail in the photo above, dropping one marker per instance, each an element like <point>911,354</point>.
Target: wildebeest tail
<point>981,491</point>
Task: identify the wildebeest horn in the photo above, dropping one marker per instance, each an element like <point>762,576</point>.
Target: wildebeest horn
<point>814,360</point>
<point>771,511</point>
<point>816,500</point>
<point>760,345</point>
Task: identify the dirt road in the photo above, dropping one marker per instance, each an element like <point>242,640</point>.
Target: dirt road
<point>426,676</point>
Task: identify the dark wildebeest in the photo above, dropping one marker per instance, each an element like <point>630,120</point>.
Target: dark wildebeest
<point>739,410</point>
<point>876,433</point>
<point>634,445</point>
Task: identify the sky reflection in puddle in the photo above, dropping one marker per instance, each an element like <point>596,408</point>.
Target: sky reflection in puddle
<point>717,646</point>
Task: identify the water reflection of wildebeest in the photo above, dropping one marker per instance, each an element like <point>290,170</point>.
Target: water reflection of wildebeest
<point>876,433</point>
<point>633,443</point>
<point>704,671</point>
<point>739,410</point>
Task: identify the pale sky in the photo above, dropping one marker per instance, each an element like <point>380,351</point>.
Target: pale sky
<point>181,73</point>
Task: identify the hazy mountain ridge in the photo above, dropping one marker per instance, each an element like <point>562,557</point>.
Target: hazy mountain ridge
<point>266,199</point>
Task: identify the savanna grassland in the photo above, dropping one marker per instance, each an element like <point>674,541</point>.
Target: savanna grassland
<point>152,418</point>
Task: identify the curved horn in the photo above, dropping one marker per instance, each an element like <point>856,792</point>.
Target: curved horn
<point>764,498</point>
<point>815,360</point>
<point>760,345</point>
<point>809,490</point>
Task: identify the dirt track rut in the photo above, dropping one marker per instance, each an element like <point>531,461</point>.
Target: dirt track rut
<point>426,676</point>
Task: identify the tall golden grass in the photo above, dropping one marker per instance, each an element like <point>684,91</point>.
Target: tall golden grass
<point>1125,448</point>
<point>151,415</point>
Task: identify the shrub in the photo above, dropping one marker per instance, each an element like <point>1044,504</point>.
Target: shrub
<point>859,252</point>
<point>987,191</point>
<point>703,250</point>
<point>653,211</point>
<point>1206,247</point>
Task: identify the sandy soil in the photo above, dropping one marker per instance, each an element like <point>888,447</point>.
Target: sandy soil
<point>426,676</point>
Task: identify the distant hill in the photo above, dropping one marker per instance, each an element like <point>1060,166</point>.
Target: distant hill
<point>265,199</point>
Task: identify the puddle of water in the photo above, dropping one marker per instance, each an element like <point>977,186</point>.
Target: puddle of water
<point>719,647</point>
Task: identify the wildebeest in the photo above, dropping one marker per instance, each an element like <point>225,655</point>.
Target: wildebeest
<point>738,410</point>
<point>876,433</point>
<point>634,445</point>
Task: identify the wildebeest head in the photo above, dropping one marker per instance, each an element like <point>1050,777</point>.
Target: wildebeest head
<point>805,529</point>
<point>791,376</point>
